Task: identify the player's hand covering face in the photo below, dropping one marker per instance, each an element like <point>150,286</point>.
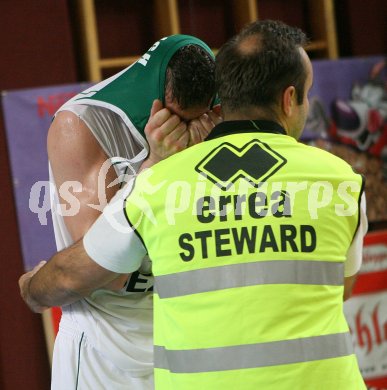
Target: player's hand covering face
<point>167,133</point>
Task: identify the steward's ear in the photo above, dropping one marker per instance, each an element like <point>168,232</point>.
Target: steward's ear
<point>289,100</point>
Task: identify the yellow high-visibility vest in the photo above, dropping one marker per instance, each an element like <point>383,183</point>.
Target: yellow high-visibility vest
<point>248,234</point>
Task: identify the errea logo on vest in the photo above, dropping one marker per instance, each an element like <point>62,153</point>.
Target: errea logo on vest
<point>251,166</point>
<point>255,162</point>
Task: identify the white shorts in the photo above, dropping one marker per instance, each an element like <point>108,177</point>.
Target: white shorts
<point>77,365</point>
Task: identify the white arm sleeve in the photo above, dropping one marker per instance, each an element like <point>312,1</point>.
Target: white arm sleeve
<point>355,252</point>
<point>111,242</point>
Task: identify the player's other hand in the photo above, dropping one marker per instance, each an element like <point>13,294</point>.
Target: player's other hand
<point>199,128</point>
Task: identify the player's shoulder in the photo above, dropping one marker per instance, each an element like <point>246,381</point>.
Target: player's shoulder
<point>67,125</point>
<point>69,137</point>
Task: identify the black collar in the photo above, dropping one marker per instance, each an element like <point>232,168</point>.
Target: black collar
<point>245,126</point>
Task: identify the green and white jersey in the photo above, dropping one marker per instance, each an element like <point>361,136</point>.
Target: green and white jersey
<point>119,324</point>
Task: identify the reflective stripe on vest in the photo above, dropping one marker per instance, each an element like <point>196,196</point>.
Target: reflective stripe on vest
<point>250,274</point>
<point>254,355</point>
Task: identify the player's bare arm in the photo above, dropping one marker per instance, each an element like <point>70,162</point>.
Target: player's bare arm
<point>69,276</point>
<point>76,156</point>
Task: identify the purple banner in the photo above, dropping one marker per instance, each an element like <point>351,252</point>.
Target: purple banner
<point>28,114</point>
<point>348,117</point>
<point>335,80</point>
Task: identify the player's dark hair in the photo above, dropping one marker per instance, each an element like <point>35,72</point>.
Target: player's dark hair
<point>191,76</point>
<point>258,64</point>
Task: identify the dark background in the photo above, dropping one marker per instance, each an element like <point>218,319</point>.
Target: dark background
<point>39,46</point>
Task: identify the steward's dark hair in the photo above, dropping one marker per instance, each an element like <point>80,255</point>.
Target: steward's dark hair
<point>191,76</point>
<point>257,65</point>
